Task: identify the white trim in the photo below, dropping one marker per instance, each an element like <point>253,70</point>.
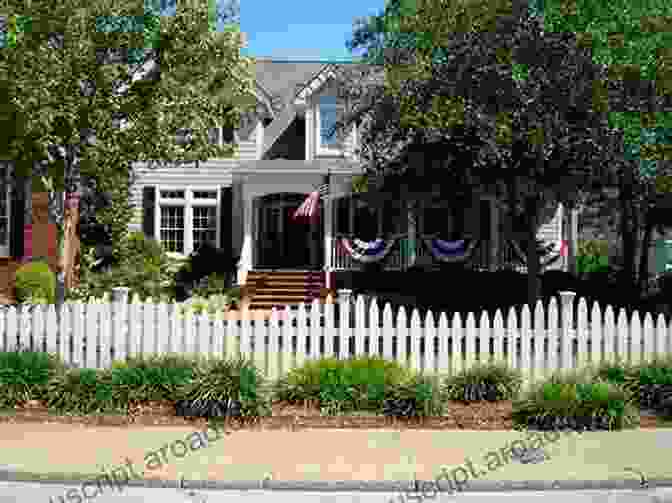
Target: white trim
<point>316,83</point>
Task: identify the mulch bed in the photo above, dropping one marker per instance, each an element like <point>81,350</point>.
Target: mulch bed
<point>286,416</point>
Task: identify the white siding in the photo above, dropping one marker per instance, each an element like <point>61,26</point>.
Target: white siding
<point>213,173</point>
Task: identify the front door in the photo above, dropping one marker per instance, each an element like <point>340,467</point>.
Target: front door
<point>282,242</point>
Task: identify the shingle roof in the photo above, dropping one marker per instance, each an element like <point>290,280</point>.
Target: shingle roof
<point>284,79</point>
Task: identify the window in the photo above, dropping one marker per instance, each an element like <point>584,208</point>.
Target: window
<point>328,113</point>
<point>188,218</point>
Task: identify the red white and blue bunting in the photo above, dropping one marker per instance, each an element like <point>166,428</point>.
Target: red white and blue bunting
<point>450,251</point>
<point>367,251</point>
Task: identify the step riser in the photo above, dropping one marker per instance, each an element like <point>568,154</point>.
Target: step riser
<point>279,289</point>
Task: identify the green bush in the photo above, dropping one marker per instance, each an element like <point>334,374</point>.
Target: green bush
<point>592,256</point>
<point>83,391</point>
<point>575,395</point>
<point>35,280</point>
<point>222,379</point>
<point>24,375</point>
<point>358,382</point>
<point>422,390</point>
<point>506,382</point>
<point>138,249</point>
<point>153,377</point>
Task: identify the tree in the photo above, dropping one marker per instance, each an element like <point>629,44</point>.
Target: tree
<point>96,87</point>
<point>630,40</point>
<point>501,78</point>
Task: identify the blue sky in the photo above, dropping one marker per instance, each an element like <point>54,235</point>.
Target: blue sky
<point>306,30</point>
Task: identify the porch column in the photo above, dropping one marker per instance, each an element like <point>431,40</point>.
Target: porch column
<point>328,229</point>
<point>411,236</point>
<point>246,250</point>
<point>572,236</point>
<point>494,235</point>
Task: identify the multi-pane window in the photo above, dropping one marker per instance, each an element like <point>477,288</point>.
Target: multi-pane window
<point>172,228</point>
<point>188,218</point>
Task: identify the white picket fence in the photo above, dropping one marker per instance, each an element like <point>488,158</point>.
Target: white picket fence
<point>91,335</point>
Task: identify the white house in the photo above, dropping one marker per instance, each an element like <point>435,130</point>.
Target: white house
<point>246,203</point>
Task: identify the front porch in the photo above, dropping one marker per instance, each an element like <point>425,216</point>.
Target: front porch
<point>273,240</point>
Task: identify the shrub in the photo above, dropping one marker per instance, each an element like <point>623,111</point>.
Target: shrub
<point>203,263</point>
<point>359,383</point>
<point>140,249</point>
<point>82,391</point>
<point>24,375</point>
<point>485,381</point>
<point>223,380</point>
<point>415,396</point>
<point>578,401</point>
<point>36,280</point>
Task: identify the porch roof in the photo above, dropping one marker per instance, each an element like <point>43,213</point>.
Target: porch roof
<point>321,166</point>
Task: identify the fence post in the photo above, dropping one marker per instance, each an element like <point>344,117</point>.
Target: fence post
<point>345,318</point>
<point>567,321</point>
<point>119,339</point>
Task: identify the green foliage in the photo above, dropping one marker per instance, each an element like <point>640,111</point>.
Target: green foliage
<point>359,383</point>
<point>83,391</point>
<point>46,64</point>
<point>222,379</point>
<point>142,251</point>
<point>592,256</point>
<point>153,280</point>
<point>134,384</point>
<point>422,390</point>
<point>576,395</point>
<point>35,280</point>
<point>507,381</point>
<point>24,375</point>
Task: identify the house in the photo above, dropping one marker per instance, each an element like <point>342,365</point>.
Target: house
<point>245,203</point>
<point>25,231</point>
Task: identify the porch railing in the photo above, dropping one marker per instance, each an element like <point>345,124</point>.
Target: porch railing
<point>399,258</point>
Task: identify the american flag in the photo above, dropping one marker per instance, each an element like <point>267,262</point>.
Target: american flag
<point>310,208</point>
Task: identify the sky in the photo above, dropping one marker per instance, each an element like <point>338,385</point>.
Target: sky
<point>302,30</point>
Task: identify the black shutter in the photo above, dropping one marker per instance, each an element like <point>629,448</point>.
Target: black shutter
<point>225,208</point>
<point>18,208</point>
<point>148,201</point>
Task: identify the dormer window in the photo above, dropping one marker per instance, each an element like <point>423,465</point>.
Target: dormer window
<point>328,111</point>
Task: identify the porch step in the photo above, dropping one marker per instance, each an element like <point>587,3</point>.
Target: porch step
<point>268,289</point>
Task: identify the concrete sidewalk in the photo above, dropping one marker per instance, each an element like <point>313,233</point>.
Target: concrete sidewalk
<point>169,453</point>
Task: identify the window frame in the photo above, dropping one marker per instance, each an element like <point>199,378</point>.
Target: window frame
<point>323,149</point>
<point>189,202</point>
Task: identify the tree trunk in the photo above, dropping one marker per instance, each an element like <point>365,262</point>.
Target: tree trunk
<point>644,257</point>
<point>70,257</point>
<point>627,229</point>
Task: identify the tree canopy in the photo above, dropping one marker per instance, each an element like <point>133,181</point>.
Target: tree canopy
<point>92,86</point>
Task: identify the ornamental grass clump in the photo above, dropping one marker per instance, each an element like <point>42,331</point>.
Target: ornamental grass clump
<point>228,384</point>
<point>25,374</point>
<point>484,381</point>
<point>578,401</point>
<point>358,383</point>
